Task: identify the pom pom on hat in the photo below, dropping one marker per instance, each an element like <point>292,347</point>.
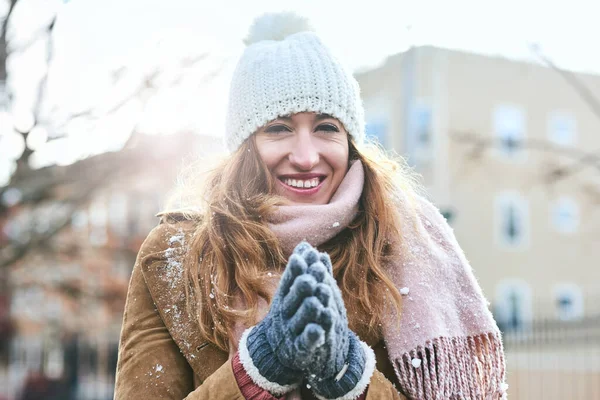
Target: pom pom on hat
<point>276,26</point>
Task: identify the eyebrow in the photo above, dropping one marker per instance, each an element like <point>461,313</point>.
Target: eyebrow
<point>319,117</point>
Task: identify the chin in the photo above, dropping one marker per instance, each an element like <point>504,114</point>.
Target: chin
<point>307,201</point>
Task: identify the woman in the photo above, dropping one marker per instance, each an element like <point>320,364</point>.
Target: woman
<point>231,301</point>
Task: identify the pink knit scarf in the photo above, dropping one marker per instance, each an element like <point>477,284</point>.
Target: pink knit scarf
<point>447,345</point>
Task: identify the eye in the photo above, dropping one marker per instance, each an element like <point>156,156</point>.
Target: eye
<point>277,129</point>
<point>328,128</point>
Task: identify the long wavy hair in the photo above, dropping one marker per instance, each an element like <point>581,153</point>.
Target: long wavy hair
<point>232,249</point>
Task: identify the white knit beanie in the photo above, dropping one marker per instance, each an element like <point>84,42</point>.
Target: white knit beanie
<point>286,69</point>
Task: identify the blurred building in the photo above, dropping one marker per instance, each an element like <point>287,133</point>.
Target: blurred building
<point>501,147</point>
<point>68,296</point>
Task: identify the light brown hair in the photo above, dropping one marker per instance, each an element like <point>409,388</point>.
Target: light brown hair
<point>232,249</point>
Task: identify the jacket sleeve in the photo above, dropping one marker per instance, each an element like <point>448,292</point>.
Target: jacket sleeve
<point>150,364</point>
<point>381,388</point>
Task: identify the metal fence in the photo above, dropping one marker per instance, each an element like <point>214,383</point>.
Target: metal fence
<point>546,359</point>
<point>554,359</point>
<point>75,369</point>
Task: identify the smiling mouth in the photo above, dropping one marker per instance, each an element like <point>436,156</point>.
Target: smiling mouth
<point>309,185</point>
<point>301,183</point>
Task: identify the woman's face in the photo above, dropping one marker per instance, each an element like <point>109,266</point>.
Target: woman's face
<point>307,155</point>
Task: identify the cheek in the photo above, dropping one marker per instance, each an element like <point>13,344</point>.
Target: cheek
<point>338,158</point>
<point>268,153</point>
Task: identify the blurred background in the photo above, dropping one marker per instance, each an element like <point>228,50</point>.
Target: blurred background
<point>495,104</point>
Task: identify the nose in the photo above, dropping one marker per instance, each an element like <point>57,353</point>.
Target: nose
<point>305,154</point>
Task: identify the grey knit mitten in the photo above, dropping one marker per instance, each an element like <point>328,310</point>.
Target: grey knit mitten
<point>306,335</point>
<point>277,350</point>
<point>343,365</point>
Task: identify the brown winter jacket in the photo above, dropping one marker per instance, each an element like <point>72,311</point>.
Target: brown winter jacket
<point>161,353</point>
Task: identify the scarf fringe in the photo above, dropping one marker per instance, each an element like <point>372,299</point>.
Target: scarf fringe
<point>457,368</point>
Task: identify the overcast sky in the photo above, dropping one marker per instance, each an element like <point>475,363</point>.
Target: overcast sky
<point>365,31</point>
<point>93,36</point>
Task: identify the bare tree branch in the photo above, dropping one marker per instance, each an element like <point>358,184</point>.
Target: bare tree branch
<point>91,175</point>
<point>584,92</point>
<point>579,159</point>
<point>481,143</point>
<point>86,178</point>
<point>3,44</point>
<point>147,85</point>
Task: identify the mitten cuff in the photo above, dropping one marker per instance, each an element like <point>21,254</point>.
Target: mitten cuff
<point>273,387</point>
<point>364,380</point>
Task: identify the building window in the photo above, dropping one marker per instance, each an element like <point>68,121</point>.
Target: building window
<point>26,303</point>
<point>148,210</point>
<point>122,266</point>
<point>54,365</point>
<point>98,220</point>
<point>512,220</point>
<point>376,115</point>
<point>513,305</point>
<point>562,128</point>
<point>377,129</point>
<point>423,125</point>
<point>133,216</point>
<point>569,301</point>
<point>420,134</point>
<point>33,353</point>
<point>117,213</point>
<point>448,214</point>
<point>79,220</point>
<point>509,128</point>
<point>565,215</point>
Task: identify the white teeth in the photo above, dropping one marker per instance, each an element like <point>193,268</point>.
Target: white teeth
<point>309,183</point>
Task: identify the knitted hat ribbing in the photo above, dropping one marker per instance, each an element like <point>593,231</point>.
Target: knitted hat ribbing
<point>286,69</point>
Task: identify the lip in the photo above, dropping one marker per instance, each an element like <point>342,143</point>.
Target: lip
<point>302,192</point>
<point>304,176</point>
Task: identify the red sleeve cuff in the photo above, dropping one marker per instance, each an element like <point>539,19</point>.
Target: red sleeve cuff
<point>363,396</point>
<point>249,389</point>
